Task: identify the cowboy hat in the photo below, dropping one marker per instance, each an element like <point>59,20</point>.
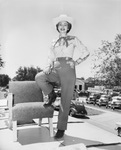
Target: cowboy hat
<point>62,17</point>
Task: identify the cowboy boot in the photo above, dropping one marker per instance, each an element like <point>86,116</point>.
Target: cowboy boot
<point>51,98</point>
<point>59,134</point>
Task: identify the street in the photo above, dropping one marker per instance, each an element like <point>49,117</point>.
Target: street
<point>104,108</point>
<point>83,99</point>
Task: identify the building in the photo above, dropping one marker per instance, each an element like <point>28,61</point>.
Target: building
<point>96,89</point>
<point>80,84</point>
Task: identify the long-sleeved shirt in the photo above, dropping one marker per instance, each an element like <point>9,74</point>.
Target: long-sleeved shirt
<point>65,47</point>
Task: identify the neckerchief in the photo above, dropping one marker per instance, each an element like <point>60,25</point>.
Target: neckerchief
<point>63,41</point>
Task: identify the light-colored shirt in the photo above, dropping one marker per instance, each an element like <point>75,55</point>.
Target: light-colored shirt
<point>65,47</point>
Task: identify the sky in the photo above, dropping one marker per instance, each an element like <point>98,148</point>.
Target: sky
<point>26,29</point>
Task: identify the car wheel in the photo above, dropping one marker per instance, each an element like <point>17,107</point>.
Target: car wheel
<point>71,113</point>
<point>113,108</point>
<point>84,112</point>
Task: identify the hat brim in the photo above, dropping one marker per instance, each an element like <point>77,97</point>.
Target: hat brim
<point>62,18</point>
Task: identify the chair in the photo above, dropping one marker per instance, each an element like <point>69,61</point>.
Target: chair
<point>25,102</point>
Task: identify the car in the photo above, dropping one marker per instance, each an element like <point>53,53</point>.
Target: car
<point>114,94</point>
<point>83,93</point>
<point>58,99</point>
<point>115,102</point>
<point>3,94</point>
<point>58,92</point>
<point>77,109</point>
<point>57,103</point>
<point>103,100</point>
<point>93,98</point>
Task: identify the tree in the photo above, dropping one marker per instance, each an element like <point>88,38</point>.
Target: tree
<point>1,61</point>
<point>4,80</point>
<point>90,82</point>
<point>26,73</point>
<point>107,62</point>
<point>82,78</point>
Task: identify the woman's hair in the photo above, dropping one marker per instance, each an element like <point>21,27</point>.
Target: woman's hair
<point>69,26</point>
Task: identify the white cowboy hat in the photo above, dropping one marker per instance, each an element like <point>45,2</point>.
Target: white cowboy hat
<point>62,17</point>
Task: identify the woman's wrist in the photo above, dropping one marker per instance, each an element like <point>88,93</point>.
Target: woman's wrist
<point>78,61</point>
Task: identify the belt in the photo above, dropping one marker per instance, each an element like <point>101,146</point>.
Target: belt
<point>63,58</point>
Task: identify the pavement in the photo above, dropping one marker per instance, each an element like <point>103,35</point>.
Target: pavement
<point>95,133</point>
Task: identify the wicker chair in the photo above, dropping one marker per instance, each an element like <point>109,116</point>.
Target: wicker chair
<point>25,101</point>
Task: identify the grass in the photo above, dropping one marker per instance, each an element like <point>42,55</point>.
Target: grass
<point>91,111</point>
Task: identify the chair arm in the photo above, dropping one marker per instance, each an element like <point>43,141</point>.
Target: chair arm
<point>10,105</point>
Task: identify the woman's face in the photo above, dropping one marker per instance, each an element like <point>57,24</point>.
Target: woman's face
<point>63,27</point>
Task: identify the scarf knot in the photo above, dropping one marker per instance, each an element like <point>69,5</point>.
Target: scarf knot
<point>62,41</point>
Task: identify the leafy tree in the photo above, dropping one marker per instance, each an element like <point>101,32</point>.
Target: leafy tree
<point>82,78</point>
<point>1,61</point>
<point>26,73</point>
<point>90,82</point>
<point>107,62</point>
<point>4,80</point>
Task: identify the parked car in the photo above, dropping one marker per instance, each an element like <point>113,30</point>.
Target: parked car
<point>77,109</point>
<point>92,99</point>
<point>57,103</point>
<point>58,92</point>
<point>114,93</point>
<point>115,102</point>
<point>83,93</point>
<point>3,94</point>
<point>103,100</point>
<point>58,99</point>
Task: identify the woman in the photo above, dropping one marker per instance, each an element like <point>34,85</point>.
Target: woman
<point>61,70</point>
